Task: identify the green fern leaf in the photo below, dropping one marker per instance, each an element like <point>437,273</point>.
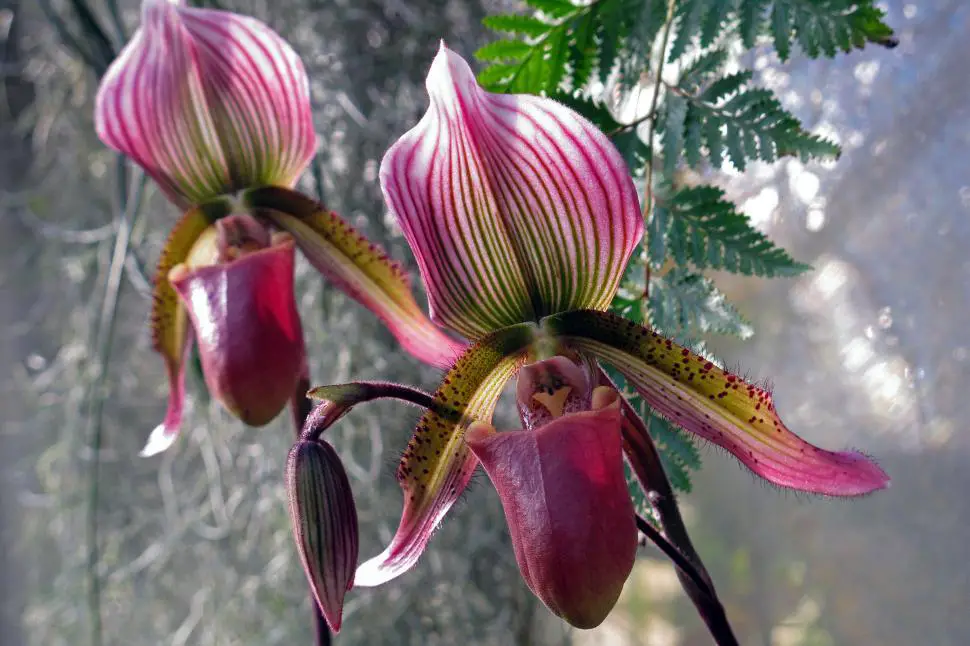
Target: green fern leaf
<point>821,27</point>
<point>715,20</point>
<point>647,19</point>
<point>688,18</point>
<point>656,234</point>
<point>616,19</point>
<point>498,50</point>
<point>556,54</point>
<point>672,128</point>
<point>781,28</point>
<point>677,451</point>
<point>582,51</point>
<point>751,21</point>
<point>726,114</point>
<point>702,69</point>
<point>693,139</point>
<point>553,8</point>
<point>725,86</point>
<point>684,303</point>
<point>524,25</point>
<point>641,504</point>
<point>635,151</point>
<point>595,111</point>
<point>497,76</point>
<point>866,26</point>
<point>697,226</point>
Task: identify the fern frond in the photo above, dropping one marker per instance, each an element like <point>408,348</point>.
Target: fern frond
<point>726,114</point>
<point>698,227</point>
<point>823,27</point>
<point>496,50</point>
<point>512,24</point>
<point>820,27</point>
<point>686,304</point>
<point>677,451</point>
<point>564,44</point>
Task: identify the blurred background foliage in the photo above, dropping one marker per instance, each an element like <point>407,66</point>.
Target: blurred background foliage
<point>868,350</point>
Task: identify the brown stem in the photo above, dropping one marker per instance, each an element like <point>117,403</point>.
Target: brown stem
<point>701,592</point>
<point>674,554</point>
<point>336,401</point>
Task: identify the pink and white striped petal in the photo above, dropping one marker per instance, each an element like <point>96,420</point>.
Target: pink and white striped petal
<point>515,206</point>
<point>207,102</point>
<point>716,405</point>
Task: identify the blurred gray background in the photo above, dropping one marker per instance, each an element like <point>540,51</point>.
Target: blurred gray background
<point>871,351</point>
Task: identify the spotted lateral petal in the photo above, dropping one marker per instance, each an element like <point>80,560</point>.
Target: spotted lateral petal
<point>437,463</point>
<point>716,405</point>
<point>207,102</point>
<point>171,333</point>
<point>357,266</point>
<point>515,206</point>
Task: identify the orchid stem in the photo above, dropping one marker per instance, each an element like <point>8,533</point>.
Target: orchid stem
<point>301,406</point>
<point>337,400</point>
<point>358,392</point>
<point>708,605</point>
<point>674,554</point>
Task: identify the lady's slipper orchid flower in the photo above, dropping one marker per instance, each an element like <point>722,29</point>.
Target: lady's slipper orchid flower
<point>522,216</point>
<point>562,486</point>
<point>215,107</point>
<point>236,285</point>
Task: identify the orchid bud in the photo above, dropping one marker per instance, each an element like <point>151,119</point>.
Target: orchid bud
<point>324,520</point>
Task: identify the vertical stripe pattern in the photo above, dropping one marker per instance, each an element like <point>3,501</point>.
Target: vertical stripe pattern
<point>207,102</point>
<point>324,520</point>
<point>515,206</point>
